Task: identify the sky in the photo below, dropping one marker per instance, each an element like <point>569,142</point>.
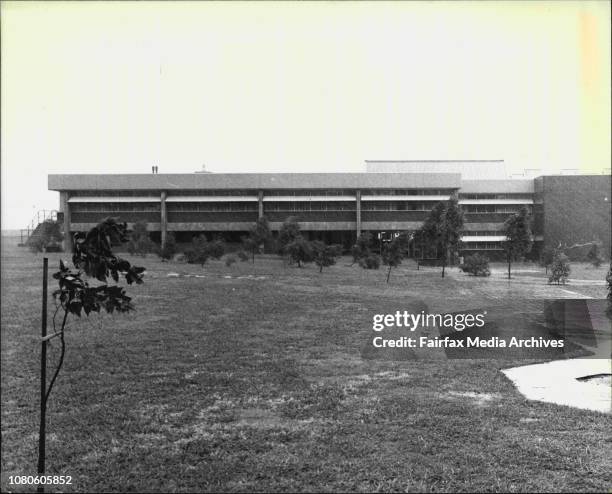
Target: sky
<point>116,87</point>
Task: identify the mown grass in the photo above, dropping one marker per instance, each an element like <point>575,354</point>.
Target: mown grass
<point>251,379</point>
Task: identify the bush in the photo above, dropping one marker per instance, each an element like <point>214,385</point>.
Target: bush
<point>243,255</point>
<point>371,261</point>
<point>167,251</point>
<point>361,249</point>
<point>594,255</point>
<point>198,253</point>
<point>139,242</point>
<point>216,248</point>
<point>560,269</point>
<point>476,265</point>
<point>229,260</point>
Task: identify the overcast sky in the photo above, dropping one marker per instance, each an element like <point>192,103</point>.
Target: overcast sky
<point>115,87</point>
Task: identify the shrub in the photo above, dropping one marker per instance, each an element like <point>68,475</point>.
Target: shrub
<point>361,249</point>
<point>560,269</point>
<point>371,261</point>
<point>216,248</point>
<point>243,255</point>
<point>198,253</point>
<point>167,251</point>
<point>139,242</point>
<point>476,265</point>
<point>229,260</point>
<point>594,255</point>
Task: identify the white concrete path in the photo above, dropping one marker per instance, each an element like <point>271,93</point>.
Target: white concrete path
<point>555,382</point>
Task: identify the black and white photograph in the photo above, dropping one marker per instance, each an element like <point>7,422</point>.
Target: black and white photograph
<point>306,246</point>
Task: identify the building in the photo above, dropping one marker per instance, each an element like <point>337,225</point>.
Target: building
<point>391,196</point>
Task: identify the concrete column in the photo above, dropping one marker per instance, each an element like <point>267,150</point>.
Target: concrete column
<point>358,209</point>
<point>163,219</point>
<point>260,199</point>
<point>65,208</point>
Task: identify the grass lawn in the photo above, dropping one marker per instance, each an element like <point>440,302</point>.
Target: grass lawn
<point>250,378</point>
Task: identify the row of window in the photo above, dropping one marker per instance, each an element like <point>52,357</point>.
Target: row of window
<point>492,208</point>
<point>482,233</point>
<point>309,192</point>
<point>395,206</point>
<point>295,192</point>
<point>496,196</point>
<point>311,206</point>
<point>407,192</point>
<point>115,207</point>
<point>282,206</point>
<point>483,246</point>
<point>115,193</point>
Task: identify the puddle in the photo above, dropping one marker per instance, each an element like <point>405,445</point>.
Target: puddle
<point>578,383</point>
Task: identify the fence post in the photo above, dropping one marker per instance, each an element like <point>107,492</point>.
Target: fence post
<point>43,378</point>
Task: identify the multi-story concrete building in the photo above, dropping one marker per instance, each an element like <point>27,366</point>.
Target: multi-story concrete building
<point>336,207</point>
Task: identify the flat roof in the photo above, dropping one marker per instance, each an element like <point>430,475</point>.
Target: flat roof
<point>194,181</point>
<point>495,186</point>
<point>469,169</point>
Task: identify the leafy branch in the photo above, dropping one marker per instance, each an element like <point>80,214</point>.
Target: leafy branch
<point>93,258</point>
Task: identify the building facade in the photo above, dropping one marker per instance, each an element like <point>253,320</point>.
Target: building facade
<point>336,207</point>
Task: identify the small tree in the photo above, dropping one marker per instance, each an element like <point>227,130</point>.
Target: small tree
<point>560,269</point>
<point>168,250</point>
<point>594,255</point>
<point>139,242</point>
<point>289,231</point>
<point>300,250</point>
<point>394,252</point>
<point>198,252</point>
<point>476,265</point>
<point>449,233</point>
<point>546,257</point>
<point>92,259</point>
<point>325,255</point>
<point>259,235</point>
<point>430,232</point>
<point>518,237</point>
<point>361,249</point>
<point>442,229</point>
